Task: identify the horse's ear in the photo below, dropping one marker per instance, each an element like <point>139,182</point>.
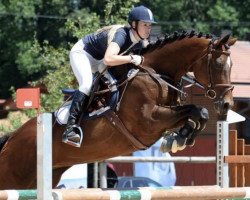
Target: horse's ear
<point>222,40</point>
<point>231,41</point>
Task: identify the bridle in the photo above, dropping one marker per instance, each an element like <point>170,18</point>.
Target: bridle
<point>210,89</point>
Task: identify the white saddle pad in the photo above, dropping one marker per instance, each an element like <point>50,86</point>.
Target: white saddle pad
<point>62,114</point>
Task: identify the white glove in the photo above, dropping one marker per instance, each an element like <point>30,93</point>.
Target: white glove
<point>136,60</point>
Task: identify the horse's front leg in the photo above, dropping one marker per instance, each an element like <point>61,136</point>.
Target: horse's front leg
<point>192,119</point>
<point>196,122</point>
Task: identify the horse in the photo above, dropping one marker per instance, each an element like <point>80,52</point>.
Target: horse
<point>148,107</point>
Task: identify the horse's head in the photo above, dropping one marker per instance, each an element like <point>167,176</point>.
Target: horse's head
<point>208,58</point>
<point>213,72</point>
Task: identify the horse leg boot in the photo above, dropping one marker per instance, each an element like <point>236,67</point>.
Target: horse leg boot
<point>182,136</point>
<point>177,141</point>
<point>73,133</point>
<point>187,131</point>
<point>195,124</point>
<point>204,117</point>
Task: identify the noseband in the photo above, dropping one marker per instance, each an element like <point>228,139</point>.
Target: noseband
<point>210,92</point>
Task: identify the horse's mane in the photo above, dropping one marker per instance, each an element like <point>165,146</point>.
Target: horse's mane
<point>3,140</point>
<point>166,38</point>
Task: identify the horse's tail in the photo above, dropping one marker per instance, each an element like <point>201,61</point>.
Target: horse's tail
<point>3,140</point>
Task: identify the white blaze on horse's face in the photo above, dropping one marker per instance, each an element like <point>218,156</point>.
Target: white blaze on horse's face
<point>224,101</point>
<point>229,61</point>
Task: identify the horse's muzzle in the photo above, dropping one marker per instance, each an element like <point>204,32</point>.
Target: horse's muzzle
<point>222,107</point>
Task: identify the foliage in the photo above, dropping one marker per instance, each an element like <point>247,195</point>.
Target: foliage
<point>36,35</point>
<point>116,11</point>
<point>82,22</point>
<point>55,60</point>
<point>15,120</point>
<point>40,56</point>
<point>58,75</point>
<point>206,16</point>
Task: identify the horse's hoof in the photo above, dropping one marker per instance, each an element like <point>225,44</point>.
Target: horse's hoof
<point>190,142</point>
<point>166,145</point>
<point>173,143</point>
<point>180,143</point>
<point>174,147</point>
<point>180,148</point>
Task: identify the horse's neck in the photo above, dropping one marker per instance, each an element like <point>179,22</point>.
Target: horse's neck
<point>176,58</point>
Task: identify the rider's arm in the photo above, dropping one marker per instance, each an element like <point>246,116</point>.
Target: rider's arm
<point>111,57</point>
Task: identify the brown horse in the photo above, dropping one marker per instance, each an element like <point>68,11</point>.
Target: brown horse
<point>148,108</point>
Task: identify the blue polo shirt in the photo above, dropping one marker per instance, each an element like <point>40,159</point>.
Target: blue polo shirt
<point>96,43</point>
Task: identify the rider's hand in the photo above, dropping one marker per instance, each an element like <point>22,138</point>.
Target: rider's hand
<point>136,60</point>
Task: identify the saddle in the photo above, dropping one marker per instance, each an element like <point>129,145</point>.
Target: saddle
<point>104,97</point>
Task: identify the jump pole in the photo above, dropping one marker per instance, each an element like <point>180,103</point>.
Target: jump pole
<point>144,193</point>
<point>27,98</point>
<point>223,147</point>
<point>171,193</point>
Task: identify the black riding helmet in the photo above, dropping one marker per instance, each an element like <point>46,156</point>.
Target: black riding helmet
<point>140,13</point>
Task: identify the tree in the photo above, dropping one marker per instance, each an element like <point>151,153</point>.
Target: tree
<point>205,16</point>
<point>79,23</point>
<point>24,24</point>
<point>16,29</point>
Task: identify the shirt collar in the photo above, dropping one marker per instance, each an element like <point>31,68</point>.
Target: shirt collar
<point>132,37</point>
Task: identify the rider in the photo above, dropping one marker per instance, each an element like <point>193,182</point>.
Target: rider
<point>109,46</point>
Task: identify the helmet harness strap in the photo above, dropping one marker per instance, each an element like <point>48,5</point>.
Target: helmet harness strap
<point>136,29</point>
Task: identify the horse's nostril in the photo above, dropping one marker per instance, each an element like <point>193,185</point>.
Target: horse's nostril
<point>226,106</point>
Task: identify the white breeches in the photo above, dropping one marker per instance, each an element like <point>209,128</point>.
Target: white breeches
<point>84,66</point>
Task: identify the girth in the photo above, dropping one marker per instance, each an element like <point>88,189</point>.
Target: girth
<point>118,124</point>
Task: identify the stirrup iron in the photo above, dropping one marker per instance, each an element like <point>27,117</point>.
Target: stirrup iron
<point>72,143</point>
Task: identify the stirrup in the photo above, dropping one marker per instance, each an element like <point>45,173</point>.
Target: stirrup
<point>72,143</point>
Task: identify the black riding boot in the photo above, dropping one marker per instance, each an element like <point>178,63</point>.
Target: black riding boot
<point>73,134</point>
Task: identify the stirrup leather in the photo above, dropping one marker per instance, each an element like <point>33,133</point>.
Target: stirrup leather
<point>72,143</point>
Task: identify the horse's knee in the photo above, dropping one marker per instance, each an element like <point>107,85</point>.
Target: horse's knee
<point>199,113</point>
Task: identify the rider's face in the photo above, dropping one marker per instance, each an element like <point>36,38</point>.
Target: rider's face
<point>144,29</point>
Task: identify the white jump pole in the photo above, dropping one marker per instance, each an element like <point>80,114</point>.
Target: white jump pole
<point>223,147</point>
<point>103,175</point>
<point>44,156</point>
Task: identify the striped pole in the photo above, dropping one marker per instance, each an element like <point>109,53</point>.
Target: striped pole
<point>18,194</point>
<point>165,193</point>
<point>171,193</point>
